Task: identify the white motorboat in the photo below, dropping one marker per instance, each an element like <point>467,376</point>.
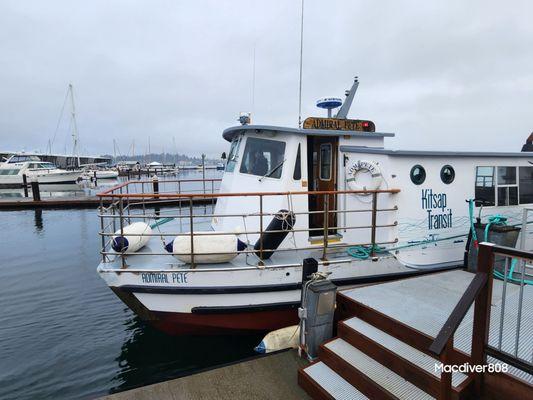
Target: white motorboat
<point>98,173</point>
<point>12,172</point>
<point>329,197</point>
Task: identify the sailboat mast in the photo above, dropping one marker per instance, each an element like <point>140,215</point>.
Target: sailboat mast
<point>75,137</point>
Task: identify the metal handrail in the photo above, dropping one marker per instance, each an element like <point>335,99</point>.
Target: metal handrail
<point>123,199</point>
<point>479,292</point>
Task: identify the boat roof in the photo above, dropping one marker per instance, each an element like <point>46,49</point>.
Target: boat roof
<point>230,133</point>
<point>421,153</point>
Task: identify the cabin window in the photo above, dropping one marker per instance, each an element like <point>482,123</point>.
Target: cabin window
<point>502,186</point>
<point>297,175</point>
<point>447,174</point>
<point>507,186</point>
<point>263,157</point>
<point>325,161</point>
<point>233,153</point>
<point>484,191</point>
<point>525,182</point>
<point>418,174</point>
<point>9,171</point>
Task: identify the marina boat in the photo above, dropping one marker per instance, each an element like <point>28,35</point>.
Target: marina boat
<point>99,173</point>
<point>328,196</point>
<point>12,172</point>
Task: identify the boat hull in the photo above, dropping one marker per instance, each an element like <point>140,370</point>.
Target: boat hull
<point>271,310</point>
<point>60,178</point>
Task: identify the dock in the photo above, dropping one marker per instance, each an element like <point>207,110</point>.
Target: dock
<point>80,202</point>
<point>273,376</point>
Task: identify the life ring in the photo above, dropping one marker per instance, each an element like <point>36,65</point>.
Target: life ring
<point>370,167</point>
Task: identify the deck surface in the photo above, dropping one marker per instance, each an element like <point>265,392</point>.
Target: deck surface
<point>425,303</point>
<point>270,377</point>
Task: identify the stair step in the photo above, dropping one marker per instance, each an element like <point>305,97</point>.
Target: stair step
<point>379,374</point>
<point>403,350</point>
<point>332,383</point>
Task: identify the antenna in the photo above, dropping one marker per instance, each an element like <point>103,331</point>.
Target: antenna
<point>253,83</point>
<point>301,64</point>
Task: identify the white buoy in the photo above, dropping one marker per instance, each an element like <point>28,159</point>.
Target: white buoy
<point>284,338</point>
<point>132,238</point>
<point>207,247</point>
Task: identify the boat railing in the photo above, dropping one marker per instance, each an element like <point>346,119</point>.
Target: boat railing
<point>513,342</point>
<point>192,201</point>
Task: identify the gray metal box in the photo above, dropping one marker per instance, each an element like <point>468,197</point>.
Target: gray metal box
<point>320,305</point>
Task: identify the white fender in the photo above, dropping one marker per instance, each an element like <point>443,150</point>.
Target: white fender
<point>280,339</point>
<point>207,243</point>
<point>363,167</point>
<point>129,242</point>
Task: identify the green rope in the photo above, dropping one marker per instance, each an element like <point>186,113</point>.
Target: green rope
<point>364,252</point>
<point>161,222</point>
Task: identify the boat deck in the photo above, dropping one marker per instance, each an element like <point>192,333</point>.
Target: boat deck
<point>425,303</point>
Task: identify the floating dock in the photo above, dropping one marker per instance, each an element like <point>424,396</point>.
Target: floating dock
<point>27,203</point>
<point>273,376</point>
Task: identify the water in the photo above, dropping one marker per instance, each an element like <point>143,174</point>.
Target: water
<point>64,334</point>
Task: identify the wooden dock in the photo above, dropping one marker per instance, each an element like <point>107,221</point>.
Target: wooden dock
<point>28,203</point>
<point>273,376</point>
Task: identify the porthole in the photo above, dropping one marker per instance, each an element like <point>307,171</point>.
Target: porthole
<point>447,174</point>
<point>418,174</point>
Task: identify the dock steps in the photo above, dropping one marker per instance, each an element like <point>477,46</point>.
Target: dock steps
<point>403,359</point>
<point>380,357</point>
<point>379,381</point>
<point>321,382</point>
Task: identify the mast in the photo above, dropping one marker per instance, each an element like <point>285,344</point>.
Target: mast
<point>343,112</point>
<point>75,137</point>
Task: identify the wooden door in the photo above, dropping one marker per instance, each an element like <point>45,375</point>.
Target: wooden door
<point>322,164</point>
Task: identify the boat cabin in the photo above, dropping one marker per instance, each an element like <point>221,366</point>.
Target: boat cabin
<point>343,156</point>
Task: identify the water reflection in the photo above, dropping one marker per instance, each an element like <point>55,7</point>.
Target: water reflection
<point>148,356</point>
<point>38,220</point>
<point>71,189</point>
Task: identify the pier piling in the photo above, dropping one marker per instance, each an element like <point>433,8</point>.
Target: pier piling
<point>25,184</point>
<point>35,189</point>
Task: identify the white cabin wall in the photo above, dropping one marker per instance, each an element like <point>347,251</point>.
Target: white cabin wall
<point>236,182</point>
<point>413,218</point>
<point>352,202</point>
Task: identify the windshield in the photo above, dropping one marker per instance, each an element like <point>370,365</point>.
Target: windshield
<point>263,157</point>
<point>47,165</point>
<point>233,153</point>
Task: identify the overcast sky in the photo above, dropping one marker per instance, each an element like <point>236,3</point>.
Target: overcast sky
<point>450,74</point>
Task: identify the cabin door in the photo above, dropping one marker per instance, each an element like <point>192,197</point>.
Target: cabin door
<point>322,165</point>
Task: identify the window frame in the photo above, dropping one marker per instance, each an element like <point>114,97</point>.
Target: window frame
<point>298,165</point>
<point>235,144</point>
<point>411,174</point>
<point>330,162</point>
<point>452,169</point>
<point>270,168</point>
<point>519,167</point>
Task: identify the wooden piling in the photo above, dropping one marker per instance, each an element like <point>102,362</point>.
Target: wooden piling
<point>35,189</point>
<point>25,183</point>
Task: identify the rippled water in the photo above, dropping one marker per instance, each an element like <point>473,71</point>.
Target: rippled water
<point>64,334</point>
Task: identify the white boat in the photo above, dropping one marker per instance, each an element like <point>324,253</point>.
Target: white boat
<point>46,173</point>
<point>331,194</point>
<point>92,173</point>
